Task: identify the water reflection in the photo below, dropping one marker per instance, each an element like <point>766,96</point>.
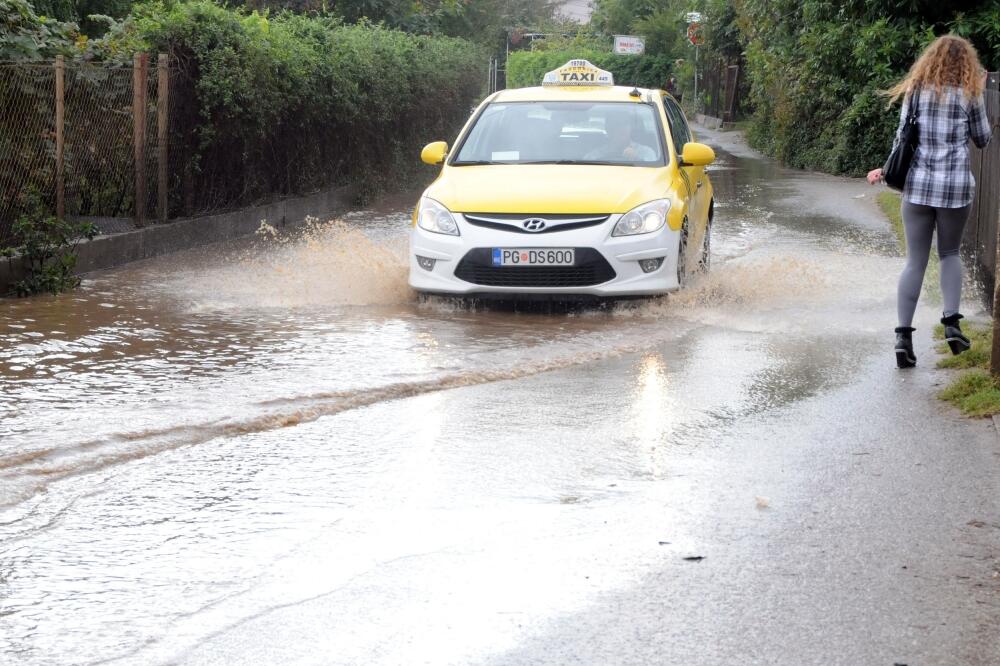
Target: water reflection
<point>651,412</point>
<point>651,391</point>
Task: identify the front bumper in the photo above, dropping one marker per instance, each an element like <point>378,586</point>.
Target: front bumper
<point>622,254</point>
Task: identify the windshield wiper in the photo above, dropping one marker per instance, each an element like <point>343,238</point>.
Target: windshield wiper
<point>485,162</point>
<point>574,162</point>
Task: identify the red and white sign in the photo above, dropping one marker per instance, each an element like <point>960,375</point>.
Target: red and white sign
<point>694,34</point>
<point>629,45</point>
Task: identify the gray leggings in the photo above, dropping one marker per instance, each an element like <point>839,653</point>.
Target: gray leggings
<point>919,223</point>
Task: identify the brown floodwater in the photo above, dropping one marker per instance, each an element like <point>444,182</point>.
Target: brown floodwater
<point>188,441</point>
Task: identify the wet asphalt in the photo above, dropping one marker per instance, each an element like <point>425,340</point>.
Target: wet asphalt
<point>271,452</point>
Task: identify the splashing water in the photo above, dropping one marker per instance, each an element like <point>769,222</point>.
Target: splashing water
<point>324,264</point>
<point>755,284</point>
<point>338,263</point>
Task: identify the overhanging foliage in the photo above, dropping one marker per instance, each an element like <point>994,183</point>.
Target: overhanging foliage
<point>526,68</point>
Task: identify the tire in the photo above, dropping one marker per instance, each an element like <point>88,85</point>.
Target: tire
<point>682,256</point>
<point>705,261</point>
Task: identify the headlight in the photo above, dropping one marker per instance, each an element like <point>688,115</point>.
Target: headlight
<point>644,219</point>
<point>435,218</point>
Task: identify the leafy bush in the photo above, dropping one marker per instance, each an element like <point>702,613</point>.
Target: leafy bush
<point>862,135</point>
<point>24,35</point>
<point>47,246</point>
<point>287,104</point>
<point>81,11</point>
<point>526,68</point>
<point>816,68</point>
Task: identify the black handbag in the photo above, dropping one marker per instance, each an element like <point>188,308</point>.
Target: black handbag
<point>897,167</point>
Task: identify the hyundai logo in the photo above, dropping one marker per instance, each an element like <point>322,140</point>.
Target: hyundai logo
<point>534,224</point>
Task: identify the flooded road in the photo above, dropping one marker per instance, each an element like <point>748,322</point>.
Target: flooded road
<point>272,452</point>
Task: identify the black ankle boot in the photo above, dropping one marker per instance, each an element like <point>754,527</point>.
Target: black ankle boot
<point>953,334</point>
<point>905,358</point>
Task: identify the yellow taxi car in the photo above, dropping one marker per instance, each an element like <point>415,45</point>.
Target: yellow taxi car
<point>574,187</point>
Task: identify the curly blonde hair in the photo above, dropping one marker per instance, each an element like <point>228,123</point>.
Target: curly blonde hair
<point>948,61</point>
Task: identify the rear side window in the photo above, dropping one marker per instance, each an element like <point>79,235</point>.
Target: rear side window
<point>679,130</point>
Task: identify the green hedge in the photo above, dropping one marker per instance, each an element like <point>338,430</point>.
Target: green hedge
<point>526,68</point>
<point>816,69</point>
<point>291,103</point>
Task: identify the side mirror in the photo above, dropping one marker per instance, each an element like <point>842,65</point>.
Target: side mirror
<point>697,154</point>
<point>433,153</point>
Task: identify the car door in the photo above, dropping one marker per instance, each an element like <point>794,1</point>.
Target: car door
<point>694,176</point>
<point>702,186</point>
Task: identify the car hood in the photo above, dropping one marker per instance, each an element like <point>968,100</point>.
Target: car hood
<point>537,188</point>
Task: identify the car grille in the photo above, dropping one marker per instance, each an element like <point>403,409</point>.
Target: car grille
<point>513,222</point>
<point>591,268</point>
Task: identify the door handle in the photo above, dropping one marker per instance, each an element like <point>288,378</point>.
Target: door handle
<point>700,183</point>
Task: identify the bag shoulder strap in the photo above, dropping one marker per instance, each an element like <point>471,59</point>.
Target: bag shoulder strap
<point>914,101</point>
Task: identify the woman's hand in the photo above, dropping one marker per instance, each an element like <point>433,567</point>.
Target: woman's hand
<point>874,176</point>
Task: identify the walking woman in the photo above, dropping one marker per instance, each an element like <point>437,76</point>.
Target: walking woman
<point>945,87</point>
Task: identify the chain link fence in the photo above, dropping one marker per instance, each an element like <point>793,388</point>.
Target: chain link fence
<point>98,131</point>
<point>83,167</point>
<point>125,146</point>
<point>89,141</point>
<point>27,141</point>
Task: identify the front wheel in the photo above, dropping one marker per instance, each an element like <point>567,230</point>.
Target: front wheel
<point>705,261</point>
<point>682,246</point>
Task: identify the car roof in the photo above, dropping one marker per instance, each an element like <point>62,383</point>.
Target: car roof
<point>571,94</point>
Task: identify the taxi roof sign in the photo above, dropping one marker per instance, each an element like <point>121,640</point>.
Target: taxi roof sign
<point>578,73</point>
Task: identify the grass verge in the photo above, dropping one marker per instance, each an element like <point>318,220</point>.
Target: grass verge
<point>890,203</point>
<point>974,391</point>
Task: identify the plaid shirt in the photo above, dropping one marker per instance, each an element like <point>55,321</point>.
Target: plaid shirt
<point>939,174</point>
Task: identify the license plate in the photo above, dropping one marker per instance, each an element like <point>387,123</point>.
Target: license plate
<point>549,256</point>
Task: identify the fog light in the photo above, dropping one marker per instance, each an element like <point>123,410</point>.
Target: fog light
<point>426,263</point>
<point>650,265</point>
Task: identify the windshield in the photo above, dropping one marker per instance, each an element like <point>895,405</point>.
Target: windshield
<point>619,133</point>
